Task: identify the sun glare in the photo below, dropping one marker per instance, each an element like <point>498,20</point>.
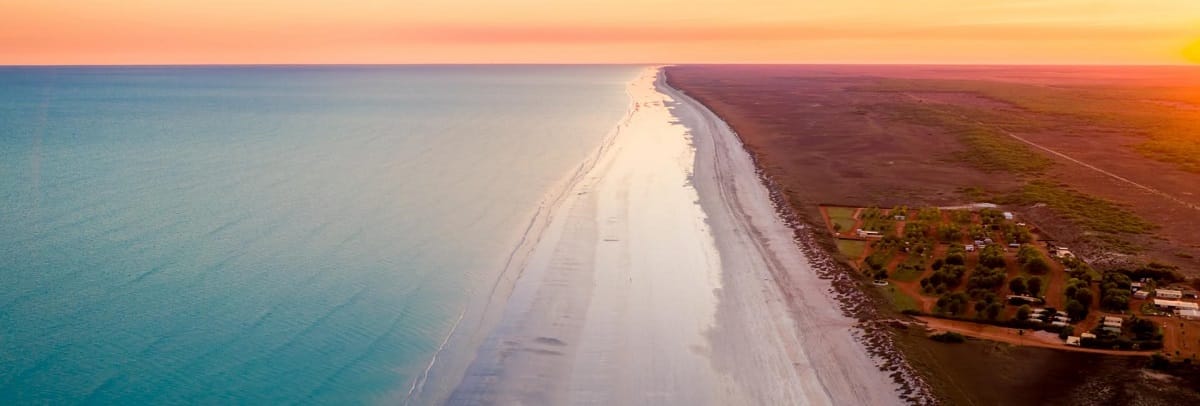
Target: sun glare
<point>1192,52</point>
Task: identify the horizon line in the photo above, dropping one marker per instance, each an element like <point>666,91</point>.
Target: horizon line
<point>976,64</point>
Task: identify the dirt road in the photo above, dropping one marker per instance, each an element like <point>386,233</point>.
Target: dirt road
<point>1012,336</point>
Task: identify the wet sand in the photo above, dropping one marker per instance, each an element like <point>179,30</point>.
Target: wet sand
<point>655,282</point>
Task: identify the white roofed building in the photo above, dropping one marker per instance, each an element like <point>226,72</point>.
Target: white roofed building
<point>1168,294</point>
<point>1175,305</point>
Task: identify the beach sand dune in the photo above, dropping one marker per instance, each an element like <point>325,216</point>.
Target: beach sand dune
<point>654,282</point>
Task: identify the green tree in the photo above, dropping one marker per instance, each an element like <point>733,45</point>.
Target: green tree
<point>953,303</point>
<point>1075,310</point>
<point>949,233</point>
<point>1027,253</point>
<point>1066,332</point>
<point>1073,286</point>
<point>1114,292</point>
<point>1023,312</point>
<point>1115,302</point>
<point>1084,296</point>
<point>956,259</point>
<point>1143,329</point>
<point>993,310</point>
<point>991,256</point>
<point>1119,279</point>
<point>1037,266</point>
<point>1034,286</point>
<point>1017,286</point>
<point>986,279</point>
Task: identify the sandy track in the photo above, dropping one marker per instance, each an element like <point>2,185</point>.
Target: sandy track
<point>655,282</point>
<point>1008,335</point>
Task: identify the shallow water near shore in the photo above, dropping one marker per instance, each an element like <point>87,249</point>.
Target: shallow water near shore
<point>663,275</point>
<point>266,235</point>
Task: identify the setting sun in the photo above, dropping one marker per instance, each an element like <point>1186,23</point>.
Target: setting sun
<point>1192,52</point>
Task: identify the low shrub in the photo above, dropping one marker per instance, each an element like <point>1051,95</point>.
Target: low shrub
<point>948,337</point>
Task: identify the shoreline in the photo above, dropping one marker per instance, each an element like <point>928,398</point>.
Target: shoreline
<point>662,272</point>
<point>871,331</point>
<point>434,385</point>
<point>577,327</point>
<point>808,269</point>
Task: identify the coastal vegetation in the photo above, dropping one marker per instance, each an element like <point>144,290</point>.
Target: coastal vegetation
<point>843,217</point>
<point>851,248</point>
<point>987,148</point>
<point>989,112</point>
<point>1089,212</point>
<point>948,337</point>
<point>921,146</point>
<point>997,271</point>
<point>1159,118</point>
<point>990,149</point>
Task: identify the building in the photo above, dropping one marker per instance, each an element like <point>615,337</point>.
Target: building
<point>1168,294</point>
<point>1008,215</point>
<point>1189,314</point>
<point>1087,335</point>
<point>1141,294</point>
<point>1020,300</point>
<point>1063,252</point>
<point>869,234</point>
<point>1073,340</point>
<point>1171,305</point>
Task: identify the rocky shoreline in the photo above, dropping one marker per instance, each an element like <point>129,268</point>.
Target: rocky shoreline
<point>873,331</point>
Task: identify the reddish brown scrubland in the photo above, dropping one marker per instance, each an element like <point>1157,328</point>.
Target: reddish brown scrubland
<point>1105,160</point>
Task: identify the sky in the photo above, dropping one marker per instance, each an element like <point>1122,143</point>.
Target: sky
<point>599,31</point>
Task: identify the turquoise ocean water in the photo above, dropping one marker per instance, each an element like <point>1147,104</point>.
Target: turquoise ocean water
<point>266,235</point>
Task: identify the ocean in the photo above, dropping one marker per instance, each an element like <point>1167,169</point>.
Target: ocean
<point>266,235</point>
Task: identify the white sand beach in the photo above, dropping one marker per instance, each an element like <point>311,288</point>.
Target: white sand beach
<point>654,282</point>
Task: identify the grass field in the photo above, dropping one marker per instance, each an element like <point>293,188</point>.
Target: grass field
<point>1087,211</point>
<point>900,300</point>
<point>843,217</point>
<point>907,275</point>
<point>1167,121</point>
<point>988,149</point>
<point>852,249</point>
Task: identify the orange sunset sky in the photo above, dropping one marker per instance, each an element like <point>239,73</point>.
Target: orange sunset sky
<point>610,31</point>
